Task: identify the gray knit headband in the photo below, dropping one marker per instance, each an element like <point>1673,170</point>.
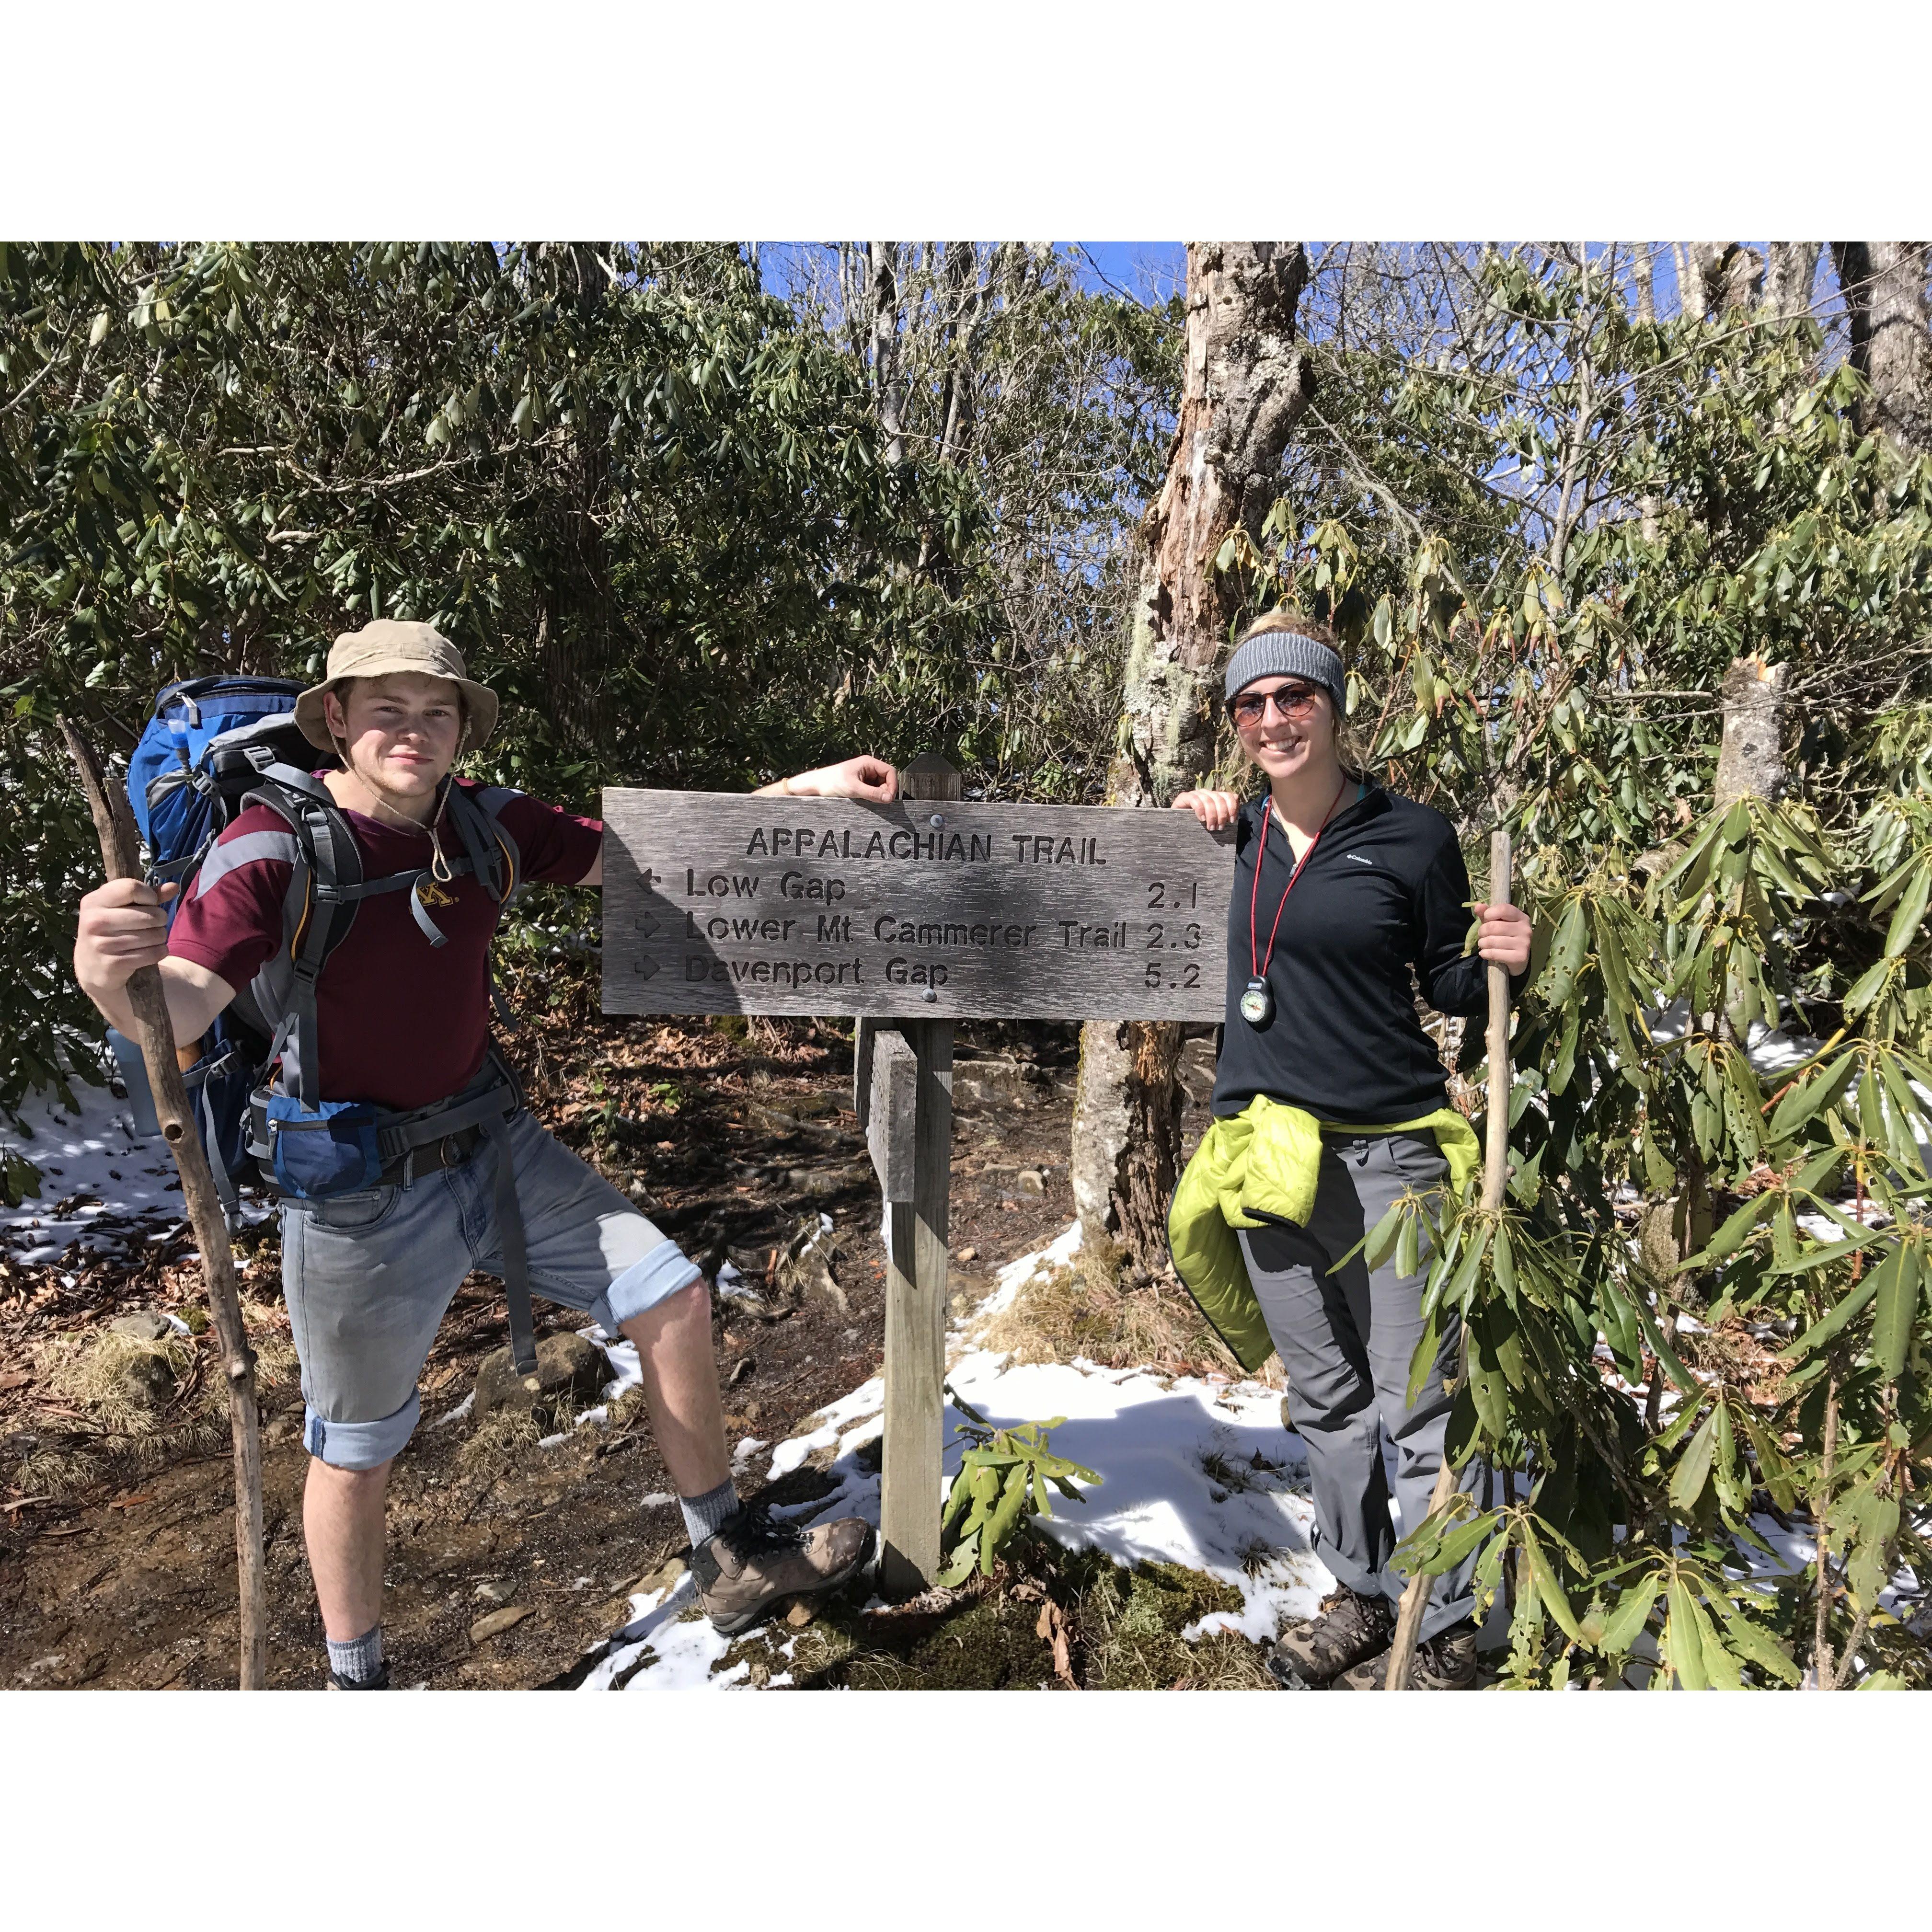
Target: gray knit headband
<point>1287,654</point>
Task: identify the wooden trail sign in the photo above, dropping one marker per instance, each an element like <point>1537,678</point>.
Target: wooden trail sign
<point>927,909</point>
<point>909,916</point>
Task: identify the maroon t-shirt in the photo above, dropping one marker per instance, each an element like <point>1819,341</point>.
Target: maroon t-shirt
<point>398,1021</point>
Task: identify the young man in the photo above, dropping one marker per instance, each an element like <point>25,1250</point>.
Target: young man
<point>402,1022</point>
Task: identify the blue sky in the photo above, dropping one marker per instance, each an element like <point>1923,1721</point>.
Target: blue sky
<point>1130,266</point>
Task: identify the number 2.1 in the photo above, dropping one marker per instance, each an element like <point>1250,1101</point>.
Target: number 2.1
<point>1157,895</point>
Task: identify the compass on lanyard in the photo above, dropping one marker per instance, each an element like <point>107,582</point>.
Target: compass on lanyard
<point>1257,1003</point>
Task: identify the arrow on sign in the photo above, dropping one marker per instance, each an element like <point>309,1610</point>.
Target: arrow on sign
<point>647,967</point>
<point>647,927</point>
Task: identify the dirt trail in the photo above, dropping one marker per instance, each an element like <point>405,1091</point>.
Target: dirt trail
<point>730,1138</point>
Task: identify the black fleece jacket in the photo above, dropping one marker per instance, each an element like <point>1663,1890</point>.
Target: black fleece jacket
<point>1384,890</point>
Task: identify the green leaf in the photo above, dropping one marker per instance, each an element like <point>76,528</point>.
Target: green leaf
<point>1904,928</point>
<point>1771,1464</point>
<point>964,1558</point>
<point>1632,1614</point>
<point>1868,1571</point>
<point>1554,1600</point>
<point>1000,1526</point>
<point>1809,1097</point>
<point>1682,1647</point>
<point>1720,1665</point>
<point>1489,1390</point>
<point>1408,1246</point>
<point>1566,957</point>
<point>1733,1493</point>
<point>961,1494</point>
<point>1896,1296</point>
<point>1808,1261</point>
<point>1694,1466</point>
<point>1847,1310</point>
<point>1731,1236</point>
<point>1503,1262</point>
<point>1759,1646</point>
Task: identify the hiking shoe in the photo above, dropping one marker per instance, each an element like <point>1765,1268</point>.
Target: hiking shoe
<point>380,1681</point>
<point>753,1564</point>
<point>1447,1662</point>
<point>1350,1629</point>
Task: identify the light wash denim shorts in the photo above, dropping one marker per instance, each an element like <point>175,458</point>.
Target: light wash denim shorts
<point>368,1276</point>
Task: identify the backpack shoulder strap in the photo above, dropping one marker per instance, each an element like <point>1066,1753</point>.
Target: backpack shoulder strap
<point>321,908</point>
<point>493,854</point>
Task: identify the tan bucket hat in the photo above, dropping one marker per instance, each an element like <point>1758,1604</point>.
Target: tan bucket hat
<point>387,646</point>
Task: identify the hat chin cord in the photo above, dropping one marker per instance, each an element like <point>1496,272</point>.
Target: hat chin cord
<point>439,867</point>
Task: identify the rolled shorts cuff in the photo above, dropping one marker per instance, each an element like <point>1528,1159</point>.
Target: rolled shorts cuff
<point>642,1286</point>
<point>360,1445</point>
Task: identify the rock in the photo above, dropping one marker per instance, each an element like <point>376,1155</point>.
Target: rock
<point>805,1268</point>
<point>819,1184</point>
<point>663,1577</point>
<point>568,1366</point>
<point>1287,1416</point>
<point>799,1614</point>
<point>146,1374</point>
<point>999,1083</point>
<point>1030,1181</point>
<point>494,1591</point>
<point>497,1622</point>
<point>144,1324</point>
<point>967,1289</point>
<point>967,1255</point>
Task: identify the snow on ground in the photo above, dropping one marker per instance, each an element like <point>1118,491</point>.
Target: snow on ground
<point>102,1186</point>
<point>1196,1470</point>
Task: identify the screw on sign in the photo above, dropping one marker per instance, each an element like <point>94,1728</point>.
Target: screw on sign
<point>907,917</point>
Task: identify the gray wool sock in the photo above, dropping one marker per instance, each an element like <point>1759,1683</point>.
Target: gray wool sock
<point>360,1660</point>
<point>705,1516</point>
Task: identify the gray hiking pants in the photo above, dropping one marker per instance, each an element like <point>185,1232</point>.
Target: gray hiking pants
<point>1346,1340</point>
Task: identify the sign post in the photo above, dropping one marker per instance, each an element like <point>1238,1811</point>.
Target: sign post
<point>909,917</point>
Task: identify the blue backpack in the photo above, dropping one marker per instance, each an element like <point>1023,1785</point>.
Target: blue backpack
<point>187,781</point>
<point>214,746</point>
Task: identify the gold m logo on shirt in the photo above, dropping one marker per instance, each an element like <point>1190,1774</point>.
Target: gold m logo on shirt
<point>429,893</point>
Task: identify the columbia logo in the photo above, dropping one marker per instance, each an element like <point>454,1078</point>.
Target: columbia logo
<point>1358,858</point>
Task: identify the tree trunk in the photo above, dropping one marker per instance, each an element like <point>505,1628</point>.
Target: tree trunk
<point>883,290</point>
<point>1884,287</point>
<point>1791,269</point>
<point>1741,272</point>
<point>1750,759</point>
<point>1244,385</point>
<point>1646,314</point>
<point>1699,277</point>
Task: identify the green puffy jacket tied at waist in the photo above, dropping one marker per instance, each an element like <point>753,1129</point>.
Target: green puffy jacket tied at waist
<point>1262,1166</point>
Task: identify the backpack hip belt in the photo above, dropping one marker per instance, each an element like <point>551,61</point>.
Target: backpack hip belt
<point>384,1138</point>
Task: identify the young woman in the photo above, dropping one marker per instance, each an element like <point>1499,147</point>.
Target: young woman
<point>1341,889</point>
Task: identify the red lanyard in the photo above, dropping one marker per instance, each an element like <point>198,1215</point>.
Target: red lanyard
<point>1259,967</point>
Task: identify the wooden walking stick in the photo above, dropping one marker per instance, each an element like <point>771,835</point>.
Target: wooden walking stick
<point>120,854</point>
<point>1496,1178</point>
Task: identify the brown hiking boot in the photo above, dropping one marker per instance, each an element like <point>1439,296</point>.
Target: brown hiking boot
<point>1350,1629</point>
<point>753,1564</point>
<point>1447,1662</point>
